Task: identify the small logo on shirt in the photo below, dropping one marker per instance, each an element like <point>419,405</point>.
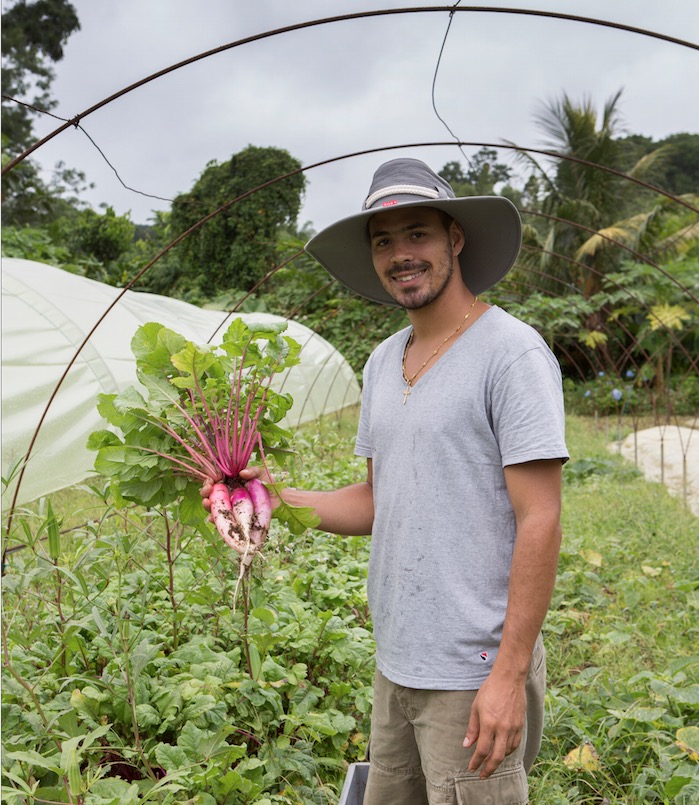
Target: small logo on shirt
<point>484,656</point>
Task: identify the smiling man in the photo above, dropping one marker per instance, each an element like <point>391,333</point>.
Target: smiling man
<point>462,426</point>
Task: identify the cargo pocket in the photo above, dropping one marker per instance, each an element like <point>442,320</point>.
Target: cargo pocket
<point>508,787</point>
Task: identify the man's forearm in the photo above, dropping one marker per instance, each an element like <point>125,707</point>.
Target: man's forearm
<point>532,578</point>
<point>349,510</point>
<point>535,492</point>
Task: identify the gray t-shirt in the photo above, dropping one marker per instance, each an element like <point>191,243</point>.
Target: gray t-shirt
<point>444,528</point>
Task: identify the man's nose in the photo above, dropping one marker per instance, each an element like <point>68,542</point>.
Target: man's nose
<point>401,252</point>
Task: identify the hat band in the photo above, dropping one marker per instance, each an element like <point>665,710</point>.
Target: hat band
<point>400,189</point>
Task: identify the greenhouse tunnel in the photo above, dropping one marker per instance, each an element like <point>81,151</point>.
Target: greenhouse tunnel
<point>47,314</point>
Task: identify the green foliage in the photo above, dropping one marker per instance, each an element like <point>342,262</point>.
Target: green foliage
<point>679,170</point>
<point>125,678</point>
<point>33,243</point>
<point>105,237</point>
<point>206,411</point>
<point>620,636</point>
<point>236,247</point>
<point>578,194</point>
<point>481,175</point>
<point>82,241</point>
<point>33,36</point>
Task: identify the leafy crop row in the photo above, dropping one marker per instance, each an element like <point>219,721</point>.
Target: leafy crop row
<point>125,678</point>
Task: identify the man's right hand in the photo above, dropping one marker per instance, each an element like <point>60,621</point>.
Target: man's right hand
<point>247,474</point>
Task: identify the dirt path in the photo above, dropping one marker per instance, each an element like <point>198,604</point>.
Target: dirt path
<point>667,454</point>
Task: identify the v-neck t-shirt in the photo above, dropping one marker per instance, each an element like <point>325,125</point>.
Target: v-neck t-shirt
<point>444,528</point>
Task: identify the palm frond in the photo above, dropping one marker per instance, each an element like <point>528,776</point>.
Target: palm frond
<point>603,239</point>
<point>679,241</point>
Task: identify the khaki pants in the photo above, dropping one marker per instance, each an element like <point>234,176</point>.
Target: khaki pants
<point>416,746</point>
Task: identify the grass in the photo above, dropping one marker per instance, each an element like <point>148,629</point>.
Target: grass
<point>622,631</point>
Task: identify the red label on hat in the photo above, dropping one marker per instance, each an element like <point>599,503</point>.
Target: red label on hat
<point>389,203</point>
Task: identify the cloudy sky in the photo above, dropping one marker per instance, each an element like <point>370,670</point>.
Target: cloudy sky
<point>334,89</point>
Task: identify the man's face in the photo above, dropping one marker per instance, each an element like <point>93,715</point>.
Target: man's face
<point>414,253</point>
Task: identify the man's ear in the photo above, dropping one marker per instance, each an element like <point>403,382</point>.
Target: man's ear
<point>457,237</point>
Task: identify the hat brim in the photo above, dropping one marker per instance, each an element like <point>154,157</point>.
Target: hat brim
<point>491,224</point>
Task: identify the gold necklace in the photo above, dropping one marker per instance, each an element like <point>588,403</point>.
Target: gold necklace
<point>410,380</point>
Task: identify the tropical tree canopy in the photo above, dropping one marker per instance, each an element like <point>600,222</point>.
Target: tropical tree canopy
<point>236,248</point>
<point>33,36</point>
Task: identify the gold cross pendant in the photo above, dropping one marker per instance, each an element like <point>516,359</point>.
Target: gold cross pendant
<point>405,394</point>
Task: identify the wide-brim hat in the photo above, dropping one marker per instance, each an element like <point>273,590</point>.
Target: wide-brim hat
<point>491,224</point>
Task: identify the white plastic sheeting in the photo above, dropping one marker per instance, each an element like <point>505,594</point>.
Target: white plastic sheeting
<point>46,315</point>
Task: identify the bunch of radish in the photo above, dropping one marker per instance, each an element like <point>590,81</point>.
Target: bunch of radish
<point>242,517</point>
<point>208,413</point>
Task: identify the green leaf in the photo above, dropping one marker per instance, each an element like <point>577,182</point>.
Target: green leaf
<point>191,740</point>
<point>171,757</point>
<point>102,438</point>
<point>11,795</point>
<point>153,345</point>
<point>675,784</point>
<point>54,533</point>
<point>115,791</point>
<point>231,781</point>
<point>33,758</point>
<point>193,360</point>
<point>191,511</point>
<point>147,716</point>
<point>267,329</point>
<point>144,653</point>
<point>296,518</point>
<point>265,615</point>
<point>255,661</point>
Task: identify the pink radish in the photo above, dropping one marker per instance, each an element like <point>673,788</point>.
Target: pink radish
<point>244,512</point>
<point>262,506</point>
<point>224,517</point>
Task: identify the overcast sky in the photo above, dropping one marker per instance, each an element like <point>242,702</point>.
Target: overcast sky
<point>338,88</point>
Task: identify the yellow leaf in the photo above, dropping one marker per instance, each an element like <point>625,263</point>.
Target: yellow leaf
<point>583,757</point>
<point>592,338</point>
<point>601,241</point>
<point>688,741</point>
<point>651,571</point>
<point>671,317</point>
<point>594,558</point>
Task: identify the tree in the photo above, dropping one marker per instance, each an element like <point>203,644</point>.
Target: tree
<point>236,248</point>
<point>99,246</point>
<point>679,170</point>
<point>33,36</point>
<point>584,194</point>
<point>483,173</point>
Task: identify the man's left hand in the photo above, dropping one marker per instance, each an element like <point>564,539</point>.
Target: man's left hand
<point>496,723</point>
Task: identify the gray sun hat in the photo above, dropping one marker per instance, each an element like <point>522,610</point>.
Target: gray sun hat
<point>491,224</point>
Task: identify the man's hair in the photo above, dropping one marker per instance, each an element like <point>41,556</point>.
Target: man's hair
<point>445,218</point>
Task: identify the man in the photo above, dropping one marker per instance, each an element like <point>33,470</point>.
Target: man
<point>462,428</point>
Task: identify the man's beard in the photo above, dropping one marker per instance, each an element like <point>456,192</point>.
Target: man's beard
<point>420,300</point>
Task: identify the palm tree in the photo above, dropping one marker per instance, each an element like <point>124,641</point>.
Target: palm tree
<point>579,192</point>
